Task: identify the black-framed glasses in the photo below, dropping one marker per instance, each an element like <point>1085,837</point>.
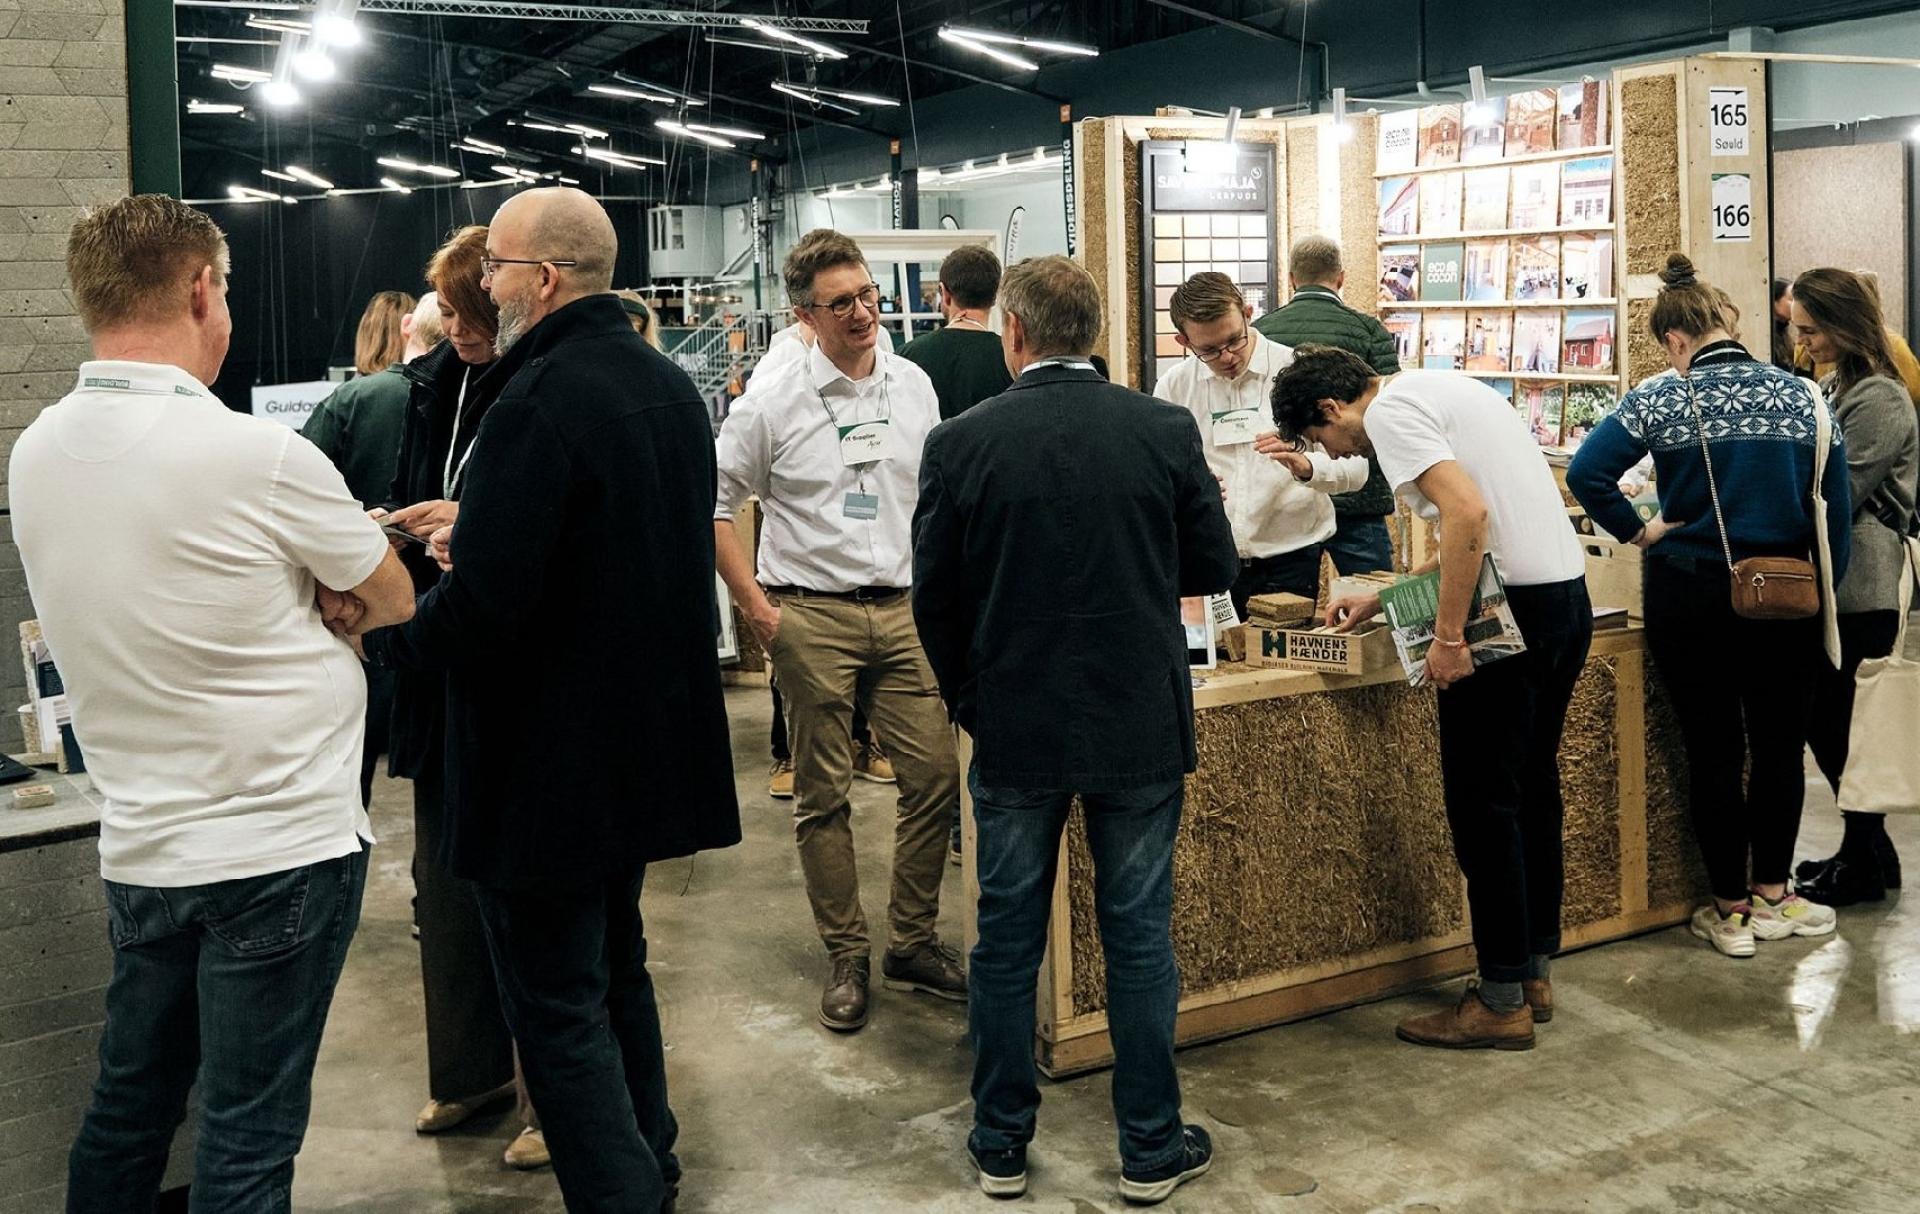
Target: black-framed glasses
<point>867,297</point>
<point>490,264</point>
<point>1212,354</point>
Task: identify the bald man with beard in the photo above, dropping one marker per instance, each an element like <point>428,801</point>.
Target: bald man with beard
<point>578,609</point>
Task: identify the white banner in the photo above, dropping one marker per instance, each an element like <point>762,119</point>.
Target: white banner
<point>1728,121</point>
<point>290,404</point>
<point>1732,208</point>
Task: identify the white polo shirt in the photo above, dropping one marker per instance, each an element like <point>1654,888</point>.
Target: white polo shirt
<point>171,547</point>
<point>828,525</point>
<point>1422,418</point>
<point>1271,511</point>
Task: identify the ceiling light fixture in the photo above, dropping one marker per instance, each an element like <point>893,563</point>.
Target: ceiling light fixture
<point>615,90</point>
<point>244,75</point>
<point>280,93</point>
<point>812,98</point>
<point>687,132</point>
<point>1037,44</point>
<point>609,156</point>
<point>314,65</point>
<point>278,25</point>
<point>718,40</point>
<point>397,162</point>
<point>651,87</point>
<point>391,184</point>
<point>470,144</point>
<point>197,106</point>
<point>819,48</point>
<point>277,175</point>
<point>862,98</point>
<point>246,193</point>
<point>335,29</point>
<point>313,179</point>
<point>730,131</point>
<point>991,52</point>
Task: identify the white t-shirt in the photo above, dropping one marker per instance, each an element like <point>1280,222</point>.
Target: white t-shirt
<point>171,547</point>
<point>1422,418</point>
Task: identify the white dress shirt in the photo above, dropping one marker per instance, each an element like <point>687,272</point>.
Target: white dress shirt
<point>171,546</point>
<point>781,442</point>
<point>1271,510</point>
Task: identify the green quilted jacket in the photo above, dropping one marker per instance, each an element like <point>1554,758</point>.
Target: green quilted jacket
<point>1316,316</point>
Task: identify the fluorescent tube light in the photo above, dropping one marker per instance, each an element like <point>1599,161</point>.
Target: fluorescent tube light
<point>686,132</point>
<point>313,179</point>
<point>280,93</point>
<point>818,48</point>
<point>391,184</point>
<point>991,52</point>
<point>812,98</point>
<point>197,106</point>
<point>278,25</point>
<point>245,75</point>
<point>731,131</point>
<point>336,30</point>
<point>1038,44</point>
<point>615,90</point>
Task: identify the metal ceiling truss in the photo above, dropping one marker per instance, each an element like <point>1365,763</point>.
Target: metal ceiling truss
<point>519,10</point>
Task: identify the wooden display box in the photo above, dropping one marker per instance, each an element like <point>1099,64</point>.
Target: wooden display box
<point>1321,650</point>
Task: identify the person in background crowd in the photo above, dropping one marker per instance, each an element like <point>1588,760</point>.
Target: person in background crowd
<point>1002,578</point>
<point>1316,314</point>
<point>177,551</point>
<point>1838,320</point>
<point>1780,314</point>
<point>1276,496</point>
<point>590,501</point>
<point>644,322</point>
<point>1906,368</point>
<point>358,428</point>
<point>1741,688</point>
<point>470,1056</point>
<point>831,446</point>
<point>1451,450</point>
<point>963,359</point>
<point>422,327</point>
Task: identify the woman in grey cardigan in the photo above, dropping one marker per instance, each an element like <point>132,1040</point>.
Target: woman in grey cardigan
<point>1838,320</point>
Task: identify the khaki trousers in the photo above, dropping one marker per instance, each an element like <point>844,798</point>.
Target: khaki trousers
<point>827,654</point>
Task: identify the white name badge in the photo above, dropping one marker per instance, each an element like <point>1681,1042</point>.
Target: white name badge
<point>866,442</point>
<point>1235,426</point>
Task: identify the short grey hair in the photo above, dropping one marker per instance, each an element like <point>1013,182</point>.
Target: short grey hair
<point>1315,259</point>
<point>1057,302</point>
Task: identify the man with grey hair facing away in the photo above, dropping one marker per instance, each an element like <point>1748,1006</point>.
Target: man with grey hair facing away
<point>579,599</point>
<point>1058,526</point>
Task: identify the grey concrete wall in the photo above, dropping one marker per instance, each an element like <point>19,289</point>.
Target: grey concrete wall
<point>63,146</point>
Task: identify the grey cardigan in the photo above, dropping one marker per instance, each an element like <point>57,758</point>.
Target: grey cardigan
<point>1883,464</point>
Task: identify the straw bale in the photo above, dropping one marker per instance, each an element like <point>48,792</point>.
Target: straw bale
<point>1650,157</point>
<point>1360,216</point>
<point>1674,871</point>
<point>1303,181</point>
<point>1590,786</point>
<point>1645,356</point>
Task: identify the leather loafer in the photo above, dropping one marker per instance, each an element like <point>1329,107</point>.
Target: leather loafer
<point>438,1115</point>
<point>843,1005</point>
<point>1844,883</point>
<point>528,1151</point>
<point>1539,992</point>
<point>1471,1025</point>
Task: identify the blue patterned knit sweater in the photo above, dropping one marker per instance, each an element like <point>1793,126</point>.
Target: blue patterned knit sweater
<point>1760,427</point>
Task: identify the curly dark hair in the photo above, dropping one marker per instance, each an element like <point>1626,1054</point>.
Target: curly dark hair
<point>1316,373</point>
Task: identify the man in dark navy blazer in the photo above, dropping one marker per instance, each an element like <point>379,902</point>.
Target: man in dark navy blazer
<point>1059,525</point>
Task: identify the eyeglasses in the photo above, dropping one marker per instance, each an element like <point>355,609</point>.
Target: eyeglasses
<point>1212,354</point>
<point>489,265</point>
<point>867,297</point>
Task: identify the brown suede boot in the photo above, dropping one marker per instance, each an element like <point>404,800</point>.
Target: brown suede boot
<point>1471,1025</point>
<point>1539,992</point>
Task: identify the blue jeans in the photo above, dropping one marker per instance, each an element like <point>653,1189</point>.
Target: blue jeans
<point>230,982</point>
<point>1131,834</point>
<point>572,964</point>
<point>1360,544</point>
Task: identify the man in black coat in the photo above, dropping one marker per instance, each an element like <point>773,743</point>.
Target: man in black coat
<point>586,732</point>
<point>1059,524</point>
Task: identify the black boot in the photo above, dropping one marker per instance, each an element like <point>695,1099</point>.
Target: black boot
<point>1844,882</point>
<point>1889,861</point>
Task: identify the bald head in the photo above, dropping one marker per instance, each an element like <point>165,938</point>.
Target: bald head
<point>422,329</point>
<point>563,224</point>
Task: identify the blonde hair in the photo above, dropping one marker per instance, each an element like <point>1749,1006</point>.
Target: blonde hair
<point>378,344</point>
<point>427,330</point>
<point>136,259</point>
<point>1207,296</point>
<point>645,323</point>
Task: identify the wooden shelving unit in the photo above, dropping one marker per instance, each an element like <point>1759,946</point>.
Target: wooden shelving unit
<point>1494,305</point>
<point>1529,158</point>
<point>1497,233</point>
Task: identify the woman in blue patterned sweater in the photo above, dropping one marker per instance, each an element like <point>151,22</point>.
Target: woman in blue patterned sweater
<point>1742,689</point>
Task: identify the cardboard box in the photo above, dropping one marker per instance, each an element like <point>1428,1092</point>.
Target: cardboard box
<point>1321,650</point>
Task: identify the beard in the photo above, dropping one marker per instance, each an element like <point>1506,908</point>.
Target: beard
<point>515,311</point>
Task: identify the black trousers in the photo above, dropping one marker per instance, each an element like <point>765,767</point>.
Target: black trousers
<point>379,726</point>
<point>1863,634</point>
<point>572,964</point>
<point>469,1050</point>
<point>1742,691</point>
<point>1500,767</point>
<point>1296,572</point>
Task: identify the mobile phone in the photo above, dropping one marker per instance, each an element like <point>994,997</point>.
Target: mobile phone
<point>402,533</point>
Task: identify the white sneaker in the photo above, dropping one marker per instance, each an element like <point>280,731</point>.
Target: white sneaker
<point>1791,916</point>
<point>1731,933</point>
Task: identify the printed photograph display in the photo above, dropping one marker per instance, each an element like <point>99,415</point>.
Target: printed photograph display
<point>1486,270</point>
<point>1536,267</point>
<point>1399,206</point>
<point>1583,115</point>
<point>1490,340</point>
<point>1586,405</point>
<point>1543,404</point>
<point>1441,270</point>
<point>1586,267</point>
<point>1405,327</point>
<point>1530,122</point>
<point>1535,193</point>
<point>1397,146</point>
<point>1586,191</point>
<point>1586,341</point>
<point>1439,135</point>
<point>1444,345</point>
<point>1486,206</point>
<point>1484,134</point>
<point>1536,342</point>
<point>1399,273</point>
<point>1440,206</point>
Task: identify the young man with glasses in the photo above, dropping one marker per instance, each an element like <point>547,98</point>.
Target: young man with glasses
<point>1277,496</point>
<point>831,446</point>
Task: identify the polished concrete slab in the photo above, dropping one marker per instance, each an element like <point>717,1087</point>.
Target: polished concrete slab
<point>1670,1079</point>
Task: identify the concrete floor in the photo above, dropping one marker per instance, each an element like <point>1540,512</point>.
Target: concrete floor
<point>1670,1079</point>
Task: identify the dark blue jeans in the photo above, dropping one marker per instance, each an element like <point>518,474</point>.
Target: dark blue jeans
<point>572,964</point>
<point>1360,544</point>
<point>1131,834</point>
<point>230,982</point>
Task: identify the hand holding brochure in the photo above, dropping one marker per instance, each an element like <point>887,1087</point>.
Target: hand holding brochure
<point>1412,603</point>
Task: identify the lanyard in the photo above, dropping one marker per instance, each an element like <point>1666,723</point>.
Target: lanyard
<point>886,415</point>
<point>450,476</point>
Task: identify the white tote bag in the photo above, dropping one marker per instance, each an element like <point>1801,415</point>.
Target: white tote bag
<point>1883,761</point>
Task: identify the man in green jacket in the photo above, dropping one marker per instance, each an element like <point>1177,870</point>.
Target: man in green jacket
<point>1316,315</point>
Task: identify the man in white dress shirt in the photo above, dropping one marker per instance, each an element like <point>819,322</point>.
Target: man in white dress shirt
<point>831,445</point>
<point>1277,497</point>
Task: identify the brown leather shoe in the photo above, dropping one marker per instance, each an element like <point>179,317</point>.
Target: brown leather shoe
<point>1471,1025</point>
<point>933,968</point>
<point>1539,992</point>
<point>843,1005</point>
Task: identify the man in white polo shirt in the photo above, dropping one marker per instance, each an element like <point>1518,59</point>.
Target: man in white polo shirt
<point>1459,455</point>
<point>187,563</point>
<point>831,445</point>
<point>1277,498</point>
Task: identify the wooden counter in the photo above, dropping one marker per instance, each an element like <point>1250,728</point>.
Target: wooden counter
<point>1314,869</point>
